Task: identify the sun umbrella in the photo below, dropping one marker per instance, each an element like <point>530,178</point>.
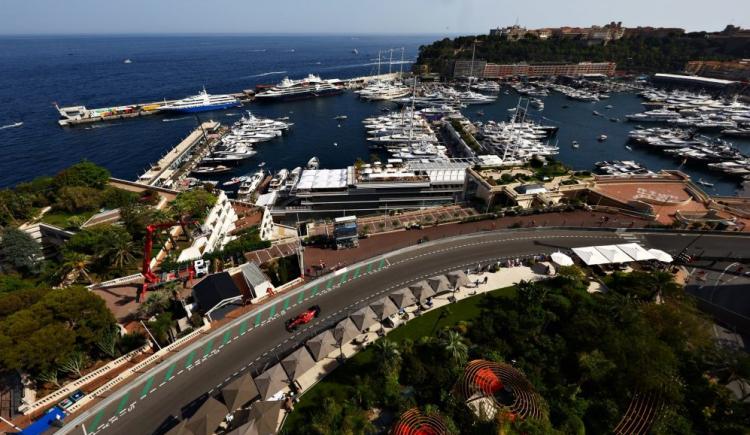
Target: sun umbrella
<point>439,284</point>
<point>661,255</point>
<point>239,392</point>
<point>207,418</point>
<point>403,298</point>
<point>297,363</point>
<point>345,331</point>
<point>364,318</point>
<point>422,290</point>
<point>271,381</point>
<point>458,278</point>
<point>384,308</point>
<point>321,345</point>
<point>562,259</point>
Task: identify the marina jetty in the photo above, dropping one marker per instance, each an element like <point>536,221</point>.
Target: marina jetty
<point>178,162</point>
<point>78,115</point>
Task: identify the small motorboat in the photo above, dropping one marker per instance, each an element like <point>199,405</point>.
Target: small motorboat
<point>127,61</point>
<point>627,147</point>
<point>602,137</point>
<point>313,163</point>
<point>575,144</point>
<point>261,164</point>
<point>614,119</point>
<point>705,183</point>
<point>204,170</point>
<point>480,113</point>
<point>234,180</point>
<point>340,117</point>
<point>608,106</point>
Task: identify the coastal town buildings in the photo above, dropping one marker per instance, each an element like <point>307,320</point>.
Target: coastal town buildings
<point>482,69</point>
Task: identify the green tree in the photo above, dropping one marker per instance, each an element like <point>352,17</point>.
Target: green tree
<point>387,355</point>
<point>456,348</point>
<point>74,363</point>
<point>78,199</point>
<point>18,251</point>
<point>85,174</point>
<point>14,207</point>
<point>157,302</point>
<point>194,204</point>
<point>74,267</point>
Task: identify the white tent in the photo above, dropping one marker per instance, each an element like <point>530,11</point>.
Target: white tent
<point>590,256</point>
<point>613,254</point>
<point>636,252</point>
<point>661,255</point>
<point>561,259</point>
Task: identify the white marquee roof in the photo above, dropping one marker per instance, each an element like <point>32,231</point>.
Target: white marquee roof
<point>312,179</point>
<point>590,256</point>
<point>613,254</point>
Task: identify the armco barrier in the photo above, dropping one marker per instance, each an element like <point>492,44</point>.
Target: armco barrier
<point>69,388</point>
<point>135,369</point>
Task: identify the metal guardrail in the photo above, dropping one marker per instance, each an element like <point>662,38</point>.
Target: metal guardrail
<point>69,388</point>
<point>136,369</point>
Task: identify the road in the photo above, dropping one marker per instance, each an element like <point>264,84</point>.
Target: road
<point>151,402</point>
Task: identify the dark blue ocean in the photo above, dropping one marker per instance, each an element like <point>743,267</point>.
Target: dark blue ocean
<point>36,72</point>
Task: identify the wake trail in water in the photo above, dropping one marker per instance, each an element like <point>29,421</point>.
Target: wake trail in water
<point>14,125</point>
<point>176,119</point>
<point>270,73</point>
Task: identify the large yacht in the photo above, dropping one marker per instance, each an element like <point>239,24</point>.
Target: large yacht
<point>202,102</point>
<point>310,87</point>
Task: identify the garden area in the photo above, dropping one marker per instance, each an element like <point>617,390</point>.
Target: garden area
<point>587,355</point>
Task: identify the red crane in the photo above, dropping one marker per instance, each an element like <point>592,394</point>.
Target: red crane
<point>149,277</point>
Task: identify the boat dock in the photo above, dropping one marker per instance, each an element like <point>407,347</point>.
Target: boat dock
<point>178,162</point>
<point>78,115</point>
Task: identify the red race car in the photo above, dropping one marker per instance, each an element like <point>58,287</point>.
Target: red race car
<point>302,318</point>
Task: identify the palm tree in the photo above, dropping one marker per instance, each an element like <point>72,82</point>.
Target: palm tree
<point>120,253</point>
<point>387,354</point>
<point>456,348</point>
<point>74,266</point>
<point>445,312</point>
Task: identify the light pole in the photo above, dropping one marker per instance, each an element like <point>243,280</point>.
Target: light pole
<point>150,335</point>
<point>716,284</point>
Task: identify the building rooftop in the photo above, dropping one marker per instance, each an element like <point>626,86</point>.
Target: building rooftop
<point>312,179</point>
<point>213,289</point>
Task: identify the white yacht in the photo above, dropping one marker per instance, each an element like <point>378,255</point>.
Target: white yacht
<point>202,102</point>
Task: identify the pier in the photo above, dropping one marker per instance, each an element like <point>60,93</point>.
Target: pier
<point>181,159</point>
<point>79,115</point>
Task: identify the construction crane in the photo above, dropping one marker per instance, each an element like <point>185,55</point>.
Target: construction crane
<point>149,277</point>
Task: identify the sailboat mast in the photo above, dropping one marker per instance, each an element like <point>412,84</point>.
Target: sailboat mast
<point>471,68</point>
<point>390,61</point>
<point>401,70</point>
<point>413,97</point>
<point>378,62</point>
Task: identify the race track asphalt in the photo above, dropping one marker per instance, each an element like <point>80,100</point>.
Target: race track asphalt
<point>258,340</point>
